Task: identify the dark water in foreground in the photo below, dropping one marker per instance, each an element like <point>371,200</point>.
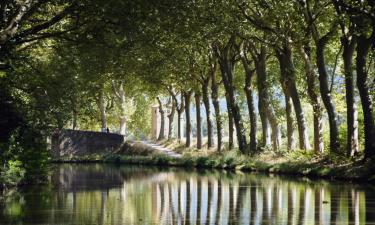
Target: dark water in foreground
<point>107,194</point>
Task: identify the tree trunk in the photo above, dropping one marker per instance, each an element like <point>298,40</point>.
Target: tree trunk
<point>230,124</point>
<point>171,118</point>
<point>74,113</point>
<point>102,108</point>
<point>227,67</point>
<point>266,138</point>
<point>215,102</point>
<point>187,98</point>
<point>122,119</point>
<point>265,108</point>
<point>363,47</point>
<point>253,118</point>
<point>180,110</point>
<point>320,43</point>
<point>120,95</point>
<point>206,102</point>
<point>288,102</point>
<point>199,119</point>
<point>326,96</point>
<point>303,136</point>
<point>179,113</point>
<point>122,122</point>
<point>289,120</point>
<point>250,103</point>
<point>352,147</point>
<point>162,120</point>
<point>312,87</point>
<point>288,74</point>
<point>276,134</point>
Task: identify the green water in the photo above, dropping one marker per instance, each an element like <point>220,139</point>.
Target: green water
<point>108,194</point>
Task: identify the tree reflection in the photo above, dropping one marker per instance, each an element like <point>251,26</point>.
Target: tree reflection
<point>138,195</point>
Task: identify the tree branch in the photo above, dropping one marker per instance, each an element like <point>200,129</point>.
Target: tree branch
<point>35,29</point>
<point>13,26</point>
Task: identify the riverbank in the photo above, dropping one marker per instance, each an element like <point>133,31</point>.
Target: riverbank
<point>293,163</point>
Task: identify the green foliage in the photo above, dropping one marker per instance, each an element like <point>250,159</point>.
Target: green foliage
<point>24,138</point>
<point>113,158</point>
<point>203,161</point>
<point>12,174</point>
<point>298,163</point>
<point>28,147</point>
<point>140,122</point>
<point>53,76</point>
<point>300,155</point>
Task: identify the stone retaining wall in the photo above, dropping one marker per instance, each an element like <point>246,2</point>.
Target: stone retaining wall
<point>67,143</point>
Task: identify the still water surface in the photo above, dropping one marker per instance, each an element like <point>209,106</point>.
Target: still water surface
<point>108,194</point>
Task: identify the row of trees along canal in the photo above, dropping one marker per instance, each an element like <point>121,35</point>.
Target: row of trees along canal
<point>270,52</point>
<point>288,66</point>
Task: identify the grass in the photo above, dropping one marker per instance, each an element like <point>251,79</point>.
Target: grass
<point>283,162</point>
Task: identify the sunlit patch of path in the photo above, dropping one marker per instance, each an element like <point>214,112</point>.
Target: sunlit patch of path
<point>161,149</point>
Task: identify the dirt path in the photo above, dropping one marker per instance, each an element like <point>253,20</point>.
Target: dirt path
<point>161,149</point>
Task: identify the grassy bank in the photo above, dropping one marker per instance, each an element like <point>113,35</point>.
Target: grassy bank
<point>296,162</point>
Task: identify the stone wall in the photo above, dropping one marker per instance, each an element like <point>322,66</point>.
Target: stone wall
<point>68,143</point>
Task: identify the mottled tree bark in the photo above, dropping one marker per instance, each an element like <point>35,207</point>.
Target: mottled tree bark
<point>348,42</point>
<point>199,119</point>
<point>230,124</point>
<point>14,19</point>
<point>266,138</point>
<point>325,92</point>
<point>162,120</point>
<point>226,58</point>
<point>179,126</point>
<point>102,109</point>
<point>363,47</point>
<point>289,119</point>
<point>215,102</point>
<point>352,147</point>
<point>171,118</point>
<point>180,109</point>
<point>120,96</point>
<point>326,95</point>
<point>249,74</point>
<point>312,88</point>
<point>304,142</point>
<point>288,104</point>
<point>266,111</point>
<point>253,119</point>
<point>206,103</point>
<point>187,98</point>
<point>288,76</point>
<point>276,133</point>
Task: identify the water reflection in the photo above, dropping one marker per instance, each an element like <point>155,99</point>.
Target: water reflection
<point>104,194</point>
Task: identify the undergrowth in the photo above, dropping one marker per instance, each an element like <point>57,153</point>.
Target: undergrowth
<point>288,162</point>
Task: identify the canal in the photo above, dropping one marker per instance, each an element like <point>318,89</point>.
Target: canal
<point>109,194</point>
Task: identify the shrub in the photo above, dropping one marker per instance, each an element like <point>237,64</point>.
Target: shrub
<point>27,146</point>
<point>202,161</point>
<point>13,173</point>
<point>161,160</point>
<point>113,158</point>
<point>187,161</point>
